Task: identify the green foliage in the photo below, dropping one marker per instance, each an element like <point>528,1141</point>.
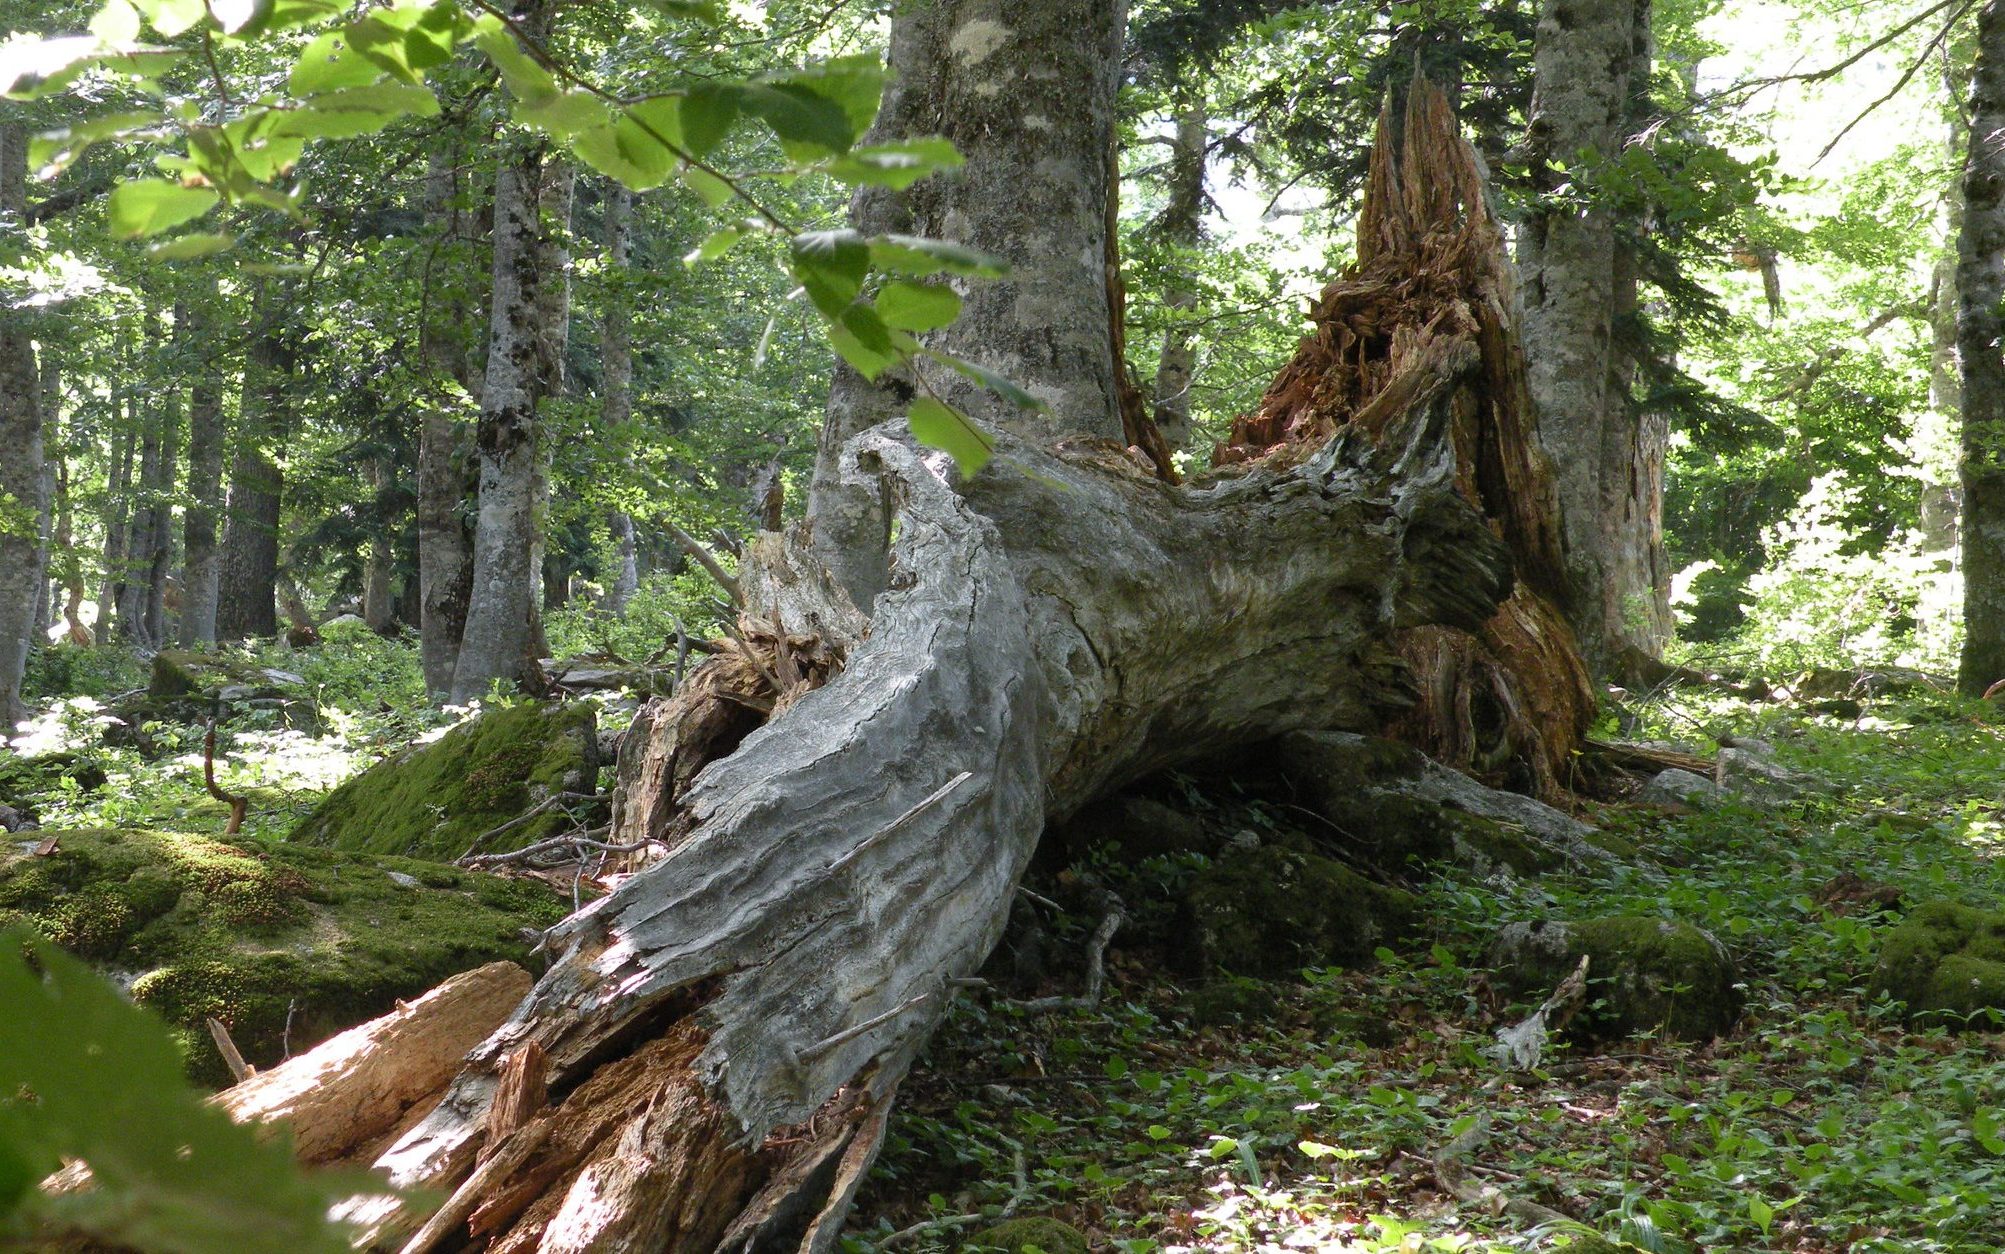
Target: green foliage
<point>88,1077</point>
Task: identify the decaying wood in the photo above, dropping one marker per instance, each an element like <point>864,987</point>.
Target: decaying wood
<point>844,797</point>
<point>1512,698</point>
<point>354,1087</point>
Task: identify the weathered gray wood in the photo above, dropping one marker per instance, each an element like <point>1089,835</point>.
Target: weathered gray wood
<point>1056,627</point>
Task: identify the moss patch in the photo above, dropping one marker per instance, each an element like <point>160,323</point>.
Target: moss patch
<point>1945,961</point>
<point>253,934</point>
<point>1645,974</point>
<point>1037,1232</point>
<point>433,801</point>
<point>1271,911</point>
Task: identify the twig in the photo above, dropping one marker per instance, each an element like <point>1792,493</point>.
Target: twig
<point>1455,1181</point>
<point>239,1069</point>
<point>1096,968</point>
<point>542,807</point>
<point>577,840</point>
<point>238,805</point>
<point>1018,1193</point>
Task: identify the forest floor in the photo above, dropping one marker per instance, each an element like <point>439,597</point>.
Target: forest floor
<point>1313,1122</point>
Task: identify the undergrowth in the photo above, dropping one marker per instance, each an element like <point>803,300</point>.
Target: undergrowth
<point>1820,1124</point>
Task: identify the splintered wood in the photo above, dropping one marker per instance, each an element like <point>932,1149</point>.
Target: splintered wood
<point>1513,700</point>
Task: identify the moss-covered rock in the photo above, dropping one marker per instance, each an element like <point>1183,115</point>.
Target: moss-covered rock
<point>1945,961</point>
<point>1644,974</point>
<point>1232,999</point>
<point>187,686</point>
<point>264,936</point>
<point>1270,911</point>
<point>434,800</point>
<point>1032,1233</point>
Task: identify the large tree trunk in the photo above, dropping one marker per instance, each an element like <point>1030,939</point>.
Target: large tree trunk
<point>445,551</point>
<point>1029,86</point>
<point>200,568</point>
<point>725,1032</point>
<point>616,367</point>
<point>1980,285</point>
<point>524,367</point>
<point>247,598</point>
<point>20,450</point>
<point>1591,64</point>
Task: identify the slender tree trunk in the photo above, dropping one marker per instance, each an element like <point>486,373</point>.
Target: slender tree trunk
<point>1936,431</point>
<point>1591,64</point>
<point>45,529</point>
<point>69,563</point>
<point>379,609</point>
<point>1183,226</point>
<point>201,570</point>
<point>445,550</point>
<point>616,357</point>
<point>132,598</point>
<point>1980,285</point>
<point>159,539</point>
<point>20,449</point>
<point>1029,85</point>
<point>117,510</point>
<point>247,595</point>
<point>524,366</point>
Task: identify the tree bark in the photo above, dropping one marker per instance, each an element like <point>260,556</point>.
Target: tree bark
<point>1029,86</point>
<point>247,598</point>
<point>45,529</point>
<point>1591,65</point>
<point>117,510</point>
<point>379,596</point>
<point>1182,224</point>
<point>616,366</point>
<point>525,363</point>
<point>445,550</point>
<point>20,450</point>
<point>155,530</point>
<point>200,562</point>
<point>1980,333</point>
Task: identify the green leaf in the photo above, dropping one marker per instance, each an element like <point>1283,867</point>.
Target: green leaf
<point>862,339</point>
<point>149,206</point>
<point>116,23</point>
<point>717,244</point>
<point>715,191</point>
<point>898,165</point>
<point>328,64</point>
<point>854,85</point>
<point>918,306</point>
<point>185,247</point>
<point>60,148</point>
<point>831,266</point>
<point>807,125</point>
<point>355,111</point>
<point>527,81</point>
<point>31,68</point>
<point>1001,387</point>
<point>912,255</point>
<point>706,114</point>
<point>566,114</point>
<point>940,426</point>
<point>171,17</point>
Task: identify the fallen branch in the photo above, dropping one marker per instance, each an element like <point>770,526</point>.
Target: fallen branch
<point>927,1227</point>
<point>552,802</point>
<point>1096,968</point>
<point>575,840</point>
<point>240,1070</point>
<point>695,549</point>
<point>1454,1180</point>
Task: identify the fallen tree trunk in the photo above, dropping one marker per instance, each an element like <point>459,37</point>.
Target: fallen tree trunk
<point>723,1034</point>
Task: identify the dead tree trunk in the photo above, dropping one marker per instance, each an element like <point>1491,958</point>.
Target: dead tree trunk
<point>840,806</point>
<point>1510,699</point>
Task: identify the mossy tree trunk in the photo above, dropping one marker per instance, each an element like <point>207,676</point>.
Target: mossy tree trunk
<point>20,448</point>
<point>1980,341</point>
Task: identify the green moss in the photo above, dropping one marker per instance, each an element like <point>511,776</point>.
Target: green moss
<point>1945,961</point>
<point>1271,911</point>
<point>1485,845</point>
<point>1232,999</point>
<point>262,937</point>
<point>1036,1232</point>
<point>433,801</point>
<point>1645,974</point>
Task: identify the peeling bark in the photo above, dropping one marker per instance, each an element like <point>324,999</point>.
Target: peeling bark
<point>1510,700</point>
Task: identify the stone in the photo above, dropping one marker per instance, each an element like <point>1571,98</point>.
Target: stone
<point>1678,788</point>
<point>1650,974</point>
<point>1035,1234</point>
<point>435,800</point>
<point>186,686</point>
<point>1271,911</point>
<point>1752,778</point>
<point>284,945</point>
<point>1945,963</point>
<point>1232,999</point>
<point>1134,828</point>
<point>1405,806</point>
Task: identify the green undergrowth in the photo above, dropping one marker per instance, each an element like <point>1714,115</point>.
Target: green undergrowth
<point>1306,1114</point>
